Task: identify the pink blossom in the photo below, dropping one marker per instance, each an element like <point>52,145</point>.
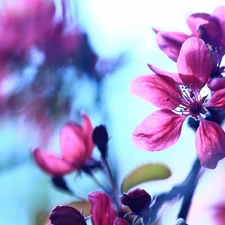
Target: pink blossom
<point>208,203</point>
<point>102,210</point>
<point>76,148</point>
<point>35,20</point>
<point>23,22</point>
<point>177,101</point>
<point>208,27</point>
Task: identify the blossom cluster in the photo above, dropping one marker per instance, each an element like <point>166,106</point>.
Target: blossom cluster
<point>179,96</point>
<point>40,42</point>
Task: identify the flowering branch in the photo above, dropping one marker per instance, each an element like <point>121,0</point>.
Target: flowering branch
<point>184,190</point>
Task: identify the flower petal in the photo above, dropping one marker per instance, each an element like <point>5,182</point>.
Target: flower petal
<point>101,201</point>
<point>194,63</point>
<point>87,130</point>
<point>72,143</point>
<point>217,100</point>
<point>195,20</point>
<point>158,71</point>
<point>170,43</point>
<point>210,143</point>
<point>51,163</point>
<point>216,84</point>
<point>120,221</point>
<point>218,16</point>
<point>159,90</point>
<point>158,131</point>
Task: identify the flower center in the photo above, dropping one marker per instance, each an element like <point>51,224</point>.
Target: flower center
<point>190,102</point>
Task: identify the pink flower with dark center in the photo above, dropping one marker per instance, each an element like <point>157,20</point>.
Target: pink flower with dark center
<point>102,210</point>
<point>178,97</point>
<point>76,147</point>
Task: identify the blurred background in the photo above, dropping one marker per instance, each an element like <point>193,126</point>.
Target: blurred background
<point>58,58</point>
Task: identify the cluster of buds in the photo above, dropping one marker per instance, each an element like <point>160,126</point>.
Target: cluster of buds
<point>102,210</point>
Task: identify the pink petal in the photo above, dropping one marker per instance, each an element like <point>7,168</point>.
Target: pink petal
<point>72,143</point>
<point>217,100</point>
<point>156,30</point>
<point>216,84</point>
<point>170,43</point>
<point>120,221</point>
<point>194,63</point>
<point>219,15</point>
<point>195,20</point>
<point>210,143</point>
<point>102,209</point>
<point>158,131</point>
<point>51,163</point>
<point>159,71</point>
<point>87,130</point>
<point>159,90</point>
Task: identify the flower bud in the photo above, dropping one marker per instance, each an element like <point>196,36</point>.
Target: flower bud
<point>66,215</point>
<point>100,138</point>
<point>138,201</point>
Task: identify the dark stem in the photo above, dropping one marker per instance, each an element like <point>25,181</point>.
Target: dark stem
<point>184,190</point>
<point>191,183</point>
<point>112,183</point>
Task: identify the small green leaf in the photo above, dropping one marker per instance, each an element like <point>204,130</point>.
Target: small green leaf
<point>144,173</point>
<point>85,206</point>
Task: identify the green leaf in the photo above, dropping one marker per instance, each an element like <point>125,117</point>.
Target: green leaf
<point>84,205</point>
<point>144,173</point>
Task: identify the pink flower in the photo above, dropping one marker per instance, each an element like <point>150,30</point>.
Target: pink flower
<point>76,147</point>
<point>178,97</point>
<point>102,211</point>
<point>26,18</point>
<point>208,203</point>
<point>208,27</point>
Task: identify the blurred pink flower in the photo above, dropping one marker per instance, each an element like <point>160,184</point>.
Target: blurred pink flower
<point>42,106</point>
<point>178,96</point>
<point>23,22</point>
<point>208,206</point>
<point>210,28</point>
<point>76,148</point>
<point>33,23</point>
<point>60,44</point>
<point>99,201</point>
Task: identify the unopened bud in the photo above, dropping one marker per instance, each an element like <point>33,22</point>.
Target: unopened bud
<point>68,215</point>
<point>138,200</point>
<point>100,138</point>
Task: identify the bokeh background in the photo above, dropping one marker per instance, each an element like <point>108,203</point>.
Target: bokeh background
<point>81,55</point>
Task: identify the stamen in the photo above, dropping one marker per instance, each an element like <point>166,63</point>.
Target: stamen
<point>190,102</point>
